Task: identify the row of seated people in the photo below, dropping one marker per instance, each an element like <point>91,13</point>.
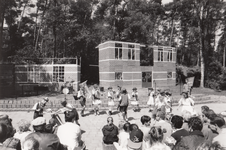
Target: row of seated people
<point>206,131</point>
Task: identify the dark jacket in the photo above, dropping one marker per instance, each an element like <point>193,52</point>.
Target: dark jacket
<point>179,134</point>
<point>190,142</point>
<point>110,133</point>
<point>47,141</point>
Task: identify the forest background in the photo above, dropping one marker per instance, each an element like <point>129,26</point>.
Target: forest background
<point>38,29</point>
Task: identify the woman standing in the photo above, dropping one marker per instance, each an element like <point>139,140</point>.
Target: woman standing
<point>186,103</point>
<point>110,100</point>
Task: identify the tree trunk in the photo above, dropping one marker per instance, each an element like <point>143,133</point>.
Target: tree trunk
<point>202,67</point>
<point>171,35</point>
<point>2,14</point>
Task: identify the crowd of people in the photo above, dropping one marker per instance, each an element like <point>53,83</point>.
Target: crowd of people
<point>161,130</point>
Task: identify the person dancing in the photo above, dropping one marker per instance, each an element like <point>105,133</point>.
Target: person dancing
<point>82,98</point>
<point>96,99</point>
<point>123,104</point>
<point>39,108</point>
<point>186,103</point>
<point>110,100</point>
<point>134,99</point>
<point>151,101</point>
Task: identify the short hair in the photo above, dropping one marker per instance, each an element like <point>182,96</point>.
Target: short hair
<point>177,121</point>
<point>30,144</point>
<point>215,146</point>
<point>3,132</point>
<point>219,121</point>
<point>121,124</point>
<point>206,108</point>
<point>210,114</point>
<point>195,123</point>
<point>161,115</point>
<point>144,119</point>
<point>48,128</point>
<point>133,126</point>
<point>156,134</point>
<point>24,125</point>
<point>126,127</point>
<point>40,128</point>
<point>186,115</point>
<point>110,119</point>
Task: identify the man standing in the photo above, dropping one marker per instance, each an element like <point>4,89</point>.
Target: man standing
<point>110,132</point>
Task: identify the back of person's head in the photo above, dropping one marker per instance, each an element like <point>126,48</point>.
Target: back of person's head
<point>195,123</point>
<point>39,124</point>
<point>110,120</point>
<point>23,125</point>
<point>177,121</point>
<point>145,119</point>
<point>156,134</point>
<point>126,127</point>
<point>69,116</point>
<point>121,124</point>
<point>8,122</point>
<point>30,144</point>
<point>219,121</point>
<point>161,115</point>
<point>3,132</point>
<point>64,103</point>
<point>48,128</point>
<point>210,114</point>
<point>205,108</point>
<point>186,115</point>
<point>133,126</point>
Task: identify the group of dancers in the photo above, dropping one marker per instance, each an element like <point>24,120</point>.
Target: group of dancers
<point>157,101</point>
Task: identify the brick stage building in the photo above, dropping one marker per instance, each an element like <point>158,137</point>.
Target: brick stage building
<point>132,64</point>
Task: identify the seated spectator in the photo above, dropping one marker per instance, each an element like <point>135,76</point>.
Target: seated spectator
<point>178,131</point>
<point>10,141</point>
<point>3,136</point>
<point>186,116</point>
<point>24,130</point>
<point>133,126</point>
<point>195,137</point>
<point>69,133</point>
<point>123,137</point>
<point>165,125</point>
<point>30,144</point>
<point>110,132</point>
<point>208,132</point>
<point>156,134</point>
<point>135,139</point>
<point>47,141</point>
<point>121,125</point>
<point>145,128</point>
<point>219,122</point>
<point>204,108</point>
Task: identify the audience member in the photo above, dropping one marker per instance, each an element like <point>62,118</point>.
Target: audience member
<point>123,137</point>
<point>110,132</point>
<point>208,132</point>
<point>195,136</point>
<point>178,131</point>
<point>156,134</point>
<point>69,133</point>
<point>24,130</point>
<point>30,144</point>
<point>135,140</point>
<point>160,121</point>
<point>47,141</point>
<point>3,137</point>
<point>219,122</point>
<point>186,116</point>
